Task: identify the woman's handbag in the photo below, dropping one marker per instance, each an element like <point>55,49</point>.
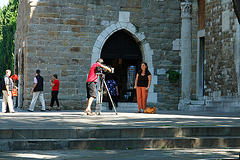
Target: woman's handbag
<point>14,92</point>
<point>150,110</point>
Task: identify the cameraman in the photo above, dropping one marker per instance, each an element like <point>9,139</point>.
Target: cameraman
<point>91,84</point>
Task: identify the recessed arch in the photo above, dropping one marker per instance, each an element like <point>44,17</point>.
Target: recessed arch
<point>122,52</point>
<point>105,34</point>
<point>145,48</point>
<point>122,45</point>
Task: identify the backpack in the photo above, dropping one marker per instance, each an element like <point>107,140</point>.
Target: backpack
<point>3,85</point>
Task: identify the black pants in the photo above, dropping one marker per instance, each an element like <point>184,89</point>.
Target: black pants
<point>115,100</point>
<point>54,98</point>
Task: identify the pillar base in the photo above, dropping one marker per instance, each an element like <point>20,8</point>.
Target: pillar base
<point>183,104</point>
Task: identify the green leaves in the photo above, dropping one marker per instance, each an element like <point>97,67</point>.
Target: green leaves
<point>8,18</point>
<point>173,76</point>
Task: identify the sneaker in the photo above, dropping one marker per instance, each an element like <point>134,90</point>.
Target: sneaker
<point>29,110</point>
<point>43,110</point>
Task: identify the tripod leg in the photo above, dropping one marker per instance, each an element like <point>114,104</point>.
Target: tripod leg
<point>99,98</point>
<point>110,96</point>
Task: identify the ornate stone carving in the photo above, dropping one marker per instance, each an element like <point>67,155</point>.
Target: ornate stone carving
<point>186,10</point>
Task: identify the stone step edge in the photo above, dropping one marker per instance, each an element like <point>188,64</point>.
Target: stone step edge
<point>122,128</point>
<point>112,139</point>
<point>204,131</point>
<point>139,143</point>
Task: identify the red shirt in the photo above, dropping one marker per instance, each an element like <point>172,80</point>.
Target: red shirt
<point>92,76</point>
<point>56,86</point>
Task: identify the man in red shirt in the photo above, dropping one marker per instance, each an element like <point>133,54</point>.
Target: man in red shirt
<point>55,89</point>
<point>91,84</point>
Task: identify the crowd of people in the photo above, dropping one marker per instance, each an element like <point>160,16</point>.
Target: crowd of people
<point>142,84</point>
<point>8,86</point>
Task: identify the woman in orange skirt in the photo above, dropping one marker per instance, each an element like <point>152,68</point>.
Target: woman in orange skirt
<point>142,84</point>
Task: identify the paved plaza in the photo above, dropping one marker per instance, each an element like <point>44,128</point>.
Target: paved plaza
<point>74,119</point>
<point>77,119</point>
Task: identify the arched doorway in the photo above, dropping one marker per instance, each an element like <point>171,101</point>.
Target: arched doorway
<point>123,53</point>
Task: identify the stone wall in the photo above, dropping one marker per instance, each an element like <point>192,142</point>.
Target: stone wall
<point>59,37</point>
<point>21,37</point>
<point>220,77</point>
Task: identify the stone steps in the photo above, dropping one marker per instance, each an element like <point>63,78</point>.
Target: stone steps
<point>119,132</point>
<point>120,143</point>
<point>219,104</point>
<point>122,107</point>
<point>213,108</point>
<point>223,104</point>
<point>119,138</point>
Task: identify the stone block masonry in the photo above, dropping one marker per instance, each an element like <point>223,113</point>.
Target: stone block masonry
<point>220,64</point>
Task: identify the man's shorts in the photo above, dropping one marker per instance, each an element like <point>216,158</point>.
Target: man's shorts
<point>91,89</point>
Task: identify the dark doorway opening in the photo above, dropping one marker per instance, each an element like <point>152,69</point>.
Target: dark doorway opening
<point>123,53</point>
<point>201,68</point>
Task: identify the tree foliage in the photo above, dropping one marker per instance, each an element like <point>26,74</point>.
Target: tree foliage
<point>8,19</point>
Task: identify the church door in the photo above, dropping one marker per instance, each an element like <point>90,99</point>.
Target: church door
<point>123,53</point>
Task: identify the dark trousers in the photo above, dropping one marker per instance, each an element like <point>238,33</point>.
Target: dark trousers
<point>54,98</point>
<point>115,100</point>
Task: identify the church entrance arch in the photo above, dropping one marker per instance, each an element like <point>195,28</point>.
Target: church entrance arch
<point>122,52</point>
<point>141,51</point>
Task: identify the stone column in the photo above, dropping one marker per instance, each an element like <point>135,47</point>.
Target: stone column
<point>186,16</point>
<point>237,53</point>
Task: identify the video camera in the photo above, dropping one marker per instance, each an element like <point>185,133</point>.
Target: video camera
<point>100,70</point>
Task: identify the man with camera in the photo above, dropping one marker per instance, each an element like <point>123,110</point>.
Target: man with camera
<point>91,84</point>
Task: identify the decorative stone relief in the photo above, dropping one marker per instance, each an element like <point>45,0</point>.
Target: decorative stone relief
<point>186,10</point>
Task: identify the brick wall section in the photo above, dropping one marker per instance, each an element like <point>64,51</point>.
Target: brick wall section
<point>219,72</point>
<point>61,35</point>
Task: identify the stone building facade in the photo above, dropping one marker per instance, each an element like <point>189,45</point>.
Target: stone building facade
<point>197,38</point>
<point>215,57</point>
<point>66,37</point>
<point>220,53</point>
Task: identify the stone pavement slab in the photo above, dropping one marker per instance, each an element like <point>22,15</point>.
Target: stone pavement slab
<point>139,154</point>
<point>75,119</point>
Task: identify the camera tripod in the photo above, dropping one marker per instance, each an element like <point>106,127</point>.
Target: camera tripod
<point>100,94</point>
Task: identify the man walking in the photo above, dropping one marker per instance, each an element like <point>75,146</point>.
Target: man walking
<point>7,87</point>
<point>37,91</point>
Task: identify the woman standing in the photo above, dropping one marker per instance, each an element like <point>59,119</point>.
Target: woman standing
<point>142,84</point>
<point>55,89</point>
